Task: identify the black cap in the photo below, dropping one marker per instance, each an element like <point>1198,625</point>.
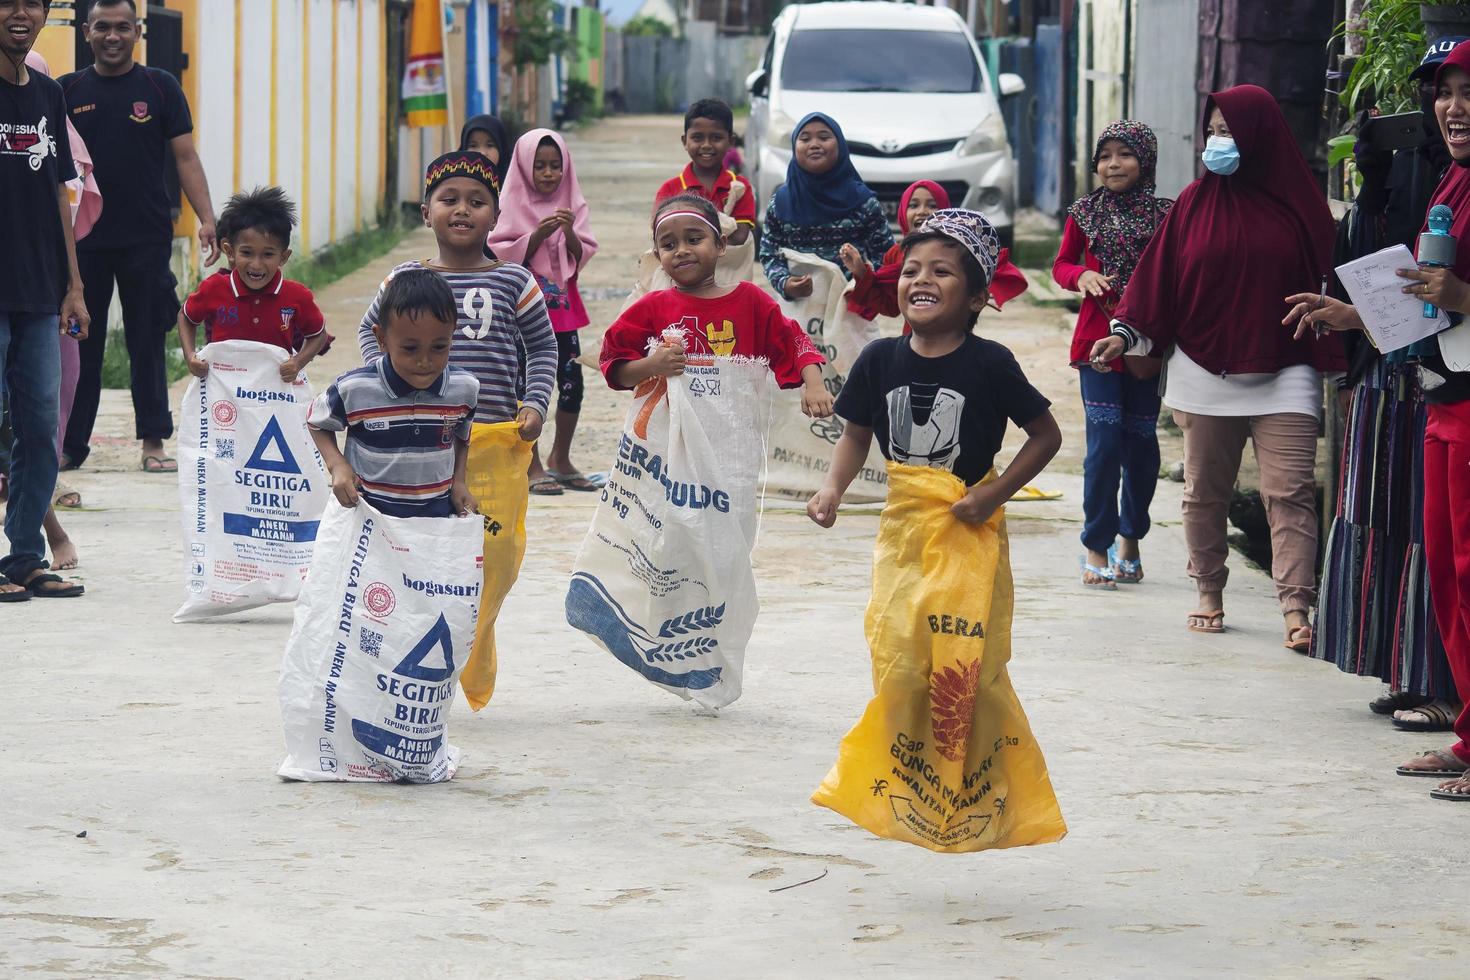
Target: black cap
<point>1438,51</point>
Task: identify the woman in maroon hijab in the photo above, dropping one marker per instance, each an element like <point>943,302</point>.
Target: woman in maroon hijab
<point>1447,435</point>
<point>1207,297</point>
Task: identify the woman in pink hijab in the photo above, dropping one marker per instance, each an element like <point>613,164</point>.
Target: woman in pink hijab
<point>86,205</point>
<point>543,226</point>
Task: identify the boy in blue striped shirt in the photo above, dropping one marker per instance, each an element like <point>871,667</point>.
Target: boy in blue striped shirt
<point>408,416</point>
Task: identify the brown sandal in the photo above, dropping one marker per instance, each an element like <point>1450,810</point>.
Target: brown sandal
<point>1201,621</point>
<point>1299,639</point>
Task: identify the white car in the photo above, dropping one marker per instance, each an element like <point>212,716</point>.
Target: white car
<point>910,90</point>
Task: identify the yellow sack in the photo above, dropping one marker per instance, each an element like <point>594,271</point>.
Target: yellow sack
<point>943,756</point>
<point>497,477</point>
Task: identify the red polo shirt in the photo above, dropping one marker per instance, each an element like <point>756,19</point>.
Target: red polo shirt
<point>744,208</point>
<point>283,313</point>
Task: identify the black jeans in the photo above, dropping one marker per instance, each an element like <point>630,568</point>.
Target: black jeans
<point>145,286</point>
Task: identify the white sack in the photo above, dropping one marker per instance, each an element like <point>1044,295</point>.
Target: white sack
<point>251,483</point>
<point>383,627</point>
<point>664,580</point>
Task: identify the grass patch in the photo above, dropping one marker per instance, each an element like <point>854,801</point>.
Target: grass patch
<point>1035,253</point>
<point>339,259</point>
<point>347,255</point>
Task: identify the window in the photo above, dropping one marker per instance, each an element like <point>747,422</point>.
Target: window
<point>880,61</point>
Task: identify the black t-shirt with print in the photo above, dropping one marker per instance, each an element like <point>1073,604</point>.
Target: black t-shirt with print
<point>127,122</point>
<point>35,159</point>
<point>947,412</point>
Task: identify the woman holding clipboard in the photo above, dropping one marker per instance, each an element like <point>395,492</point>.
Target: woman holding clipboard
<point>1446,467</point>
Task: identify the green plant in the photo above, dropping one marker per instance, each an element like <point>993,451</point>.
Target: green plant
<point>645,26</point>
<point>581,100</point>
<point>1393,43</point>
<point>536,37</point>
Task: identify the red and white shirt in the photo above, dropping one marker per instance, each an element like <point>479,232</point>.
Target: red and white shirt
<point>744,211</point>
<point>284,313</point>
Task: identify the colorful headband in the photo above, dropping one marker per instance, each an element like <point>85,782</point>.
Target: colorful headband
<point>972,233</point>
<point>461,163</point>
<point>685,213</point>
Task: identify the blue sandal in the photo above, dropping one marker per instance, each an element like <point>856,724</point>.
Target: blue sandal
<point>1126,571</point>
<point>1106,574</point>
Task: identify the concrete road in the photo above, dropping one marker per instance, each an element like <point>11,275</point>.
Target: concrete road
<point>1233,808</point>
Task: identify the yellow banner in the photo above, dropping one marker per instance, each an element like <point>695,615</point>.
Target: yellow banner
<point>425,85</point>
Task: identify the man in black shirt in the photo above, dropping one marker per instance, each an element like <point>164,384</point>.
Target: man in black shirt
<point>130,116</point>
<point>40,294</point>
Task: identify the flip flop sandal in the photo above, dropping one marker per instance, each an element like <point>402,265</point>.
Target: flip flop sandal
<point>161,464</point>
<point>1296,642</point>
<point>20,596</point>
<point>63,491</point>
<point>574,481</point>
<point>1028,492</point>
<point>1440,794</point>
<point>1126,571</point>
<point>1440,717</point>
<point>1217,618</point>
<point>546,487</point>
<point>1387,704</point>
<point>1452,767</point>
<point>1106,574</point>
<point>46,579</point>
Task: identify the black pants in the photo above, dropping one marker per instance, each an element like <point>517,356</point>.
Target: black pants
<point>145,287</point>
<point>569,373</point>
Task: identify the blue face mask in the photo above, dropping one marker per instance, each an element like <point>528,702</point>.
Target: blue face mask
<point>1221,155</point>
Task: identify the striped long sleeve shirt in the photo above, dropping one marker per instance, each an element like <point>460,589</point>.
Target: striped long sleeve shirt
<point>501,312</point>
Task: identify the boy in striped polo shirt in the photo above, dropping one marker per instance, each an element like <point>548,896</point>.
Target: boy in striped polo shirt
<point>408,416</point>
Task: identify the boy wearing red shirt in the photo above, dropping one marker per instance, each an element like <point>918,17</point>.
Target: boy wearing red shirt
<point>708,127</point>
<point>254,300</point>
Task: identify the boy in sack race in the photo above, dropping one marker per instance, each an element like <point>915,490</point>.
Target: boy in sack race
<point>387,613</point>
<point>664,580</point>
<point>943,757</point>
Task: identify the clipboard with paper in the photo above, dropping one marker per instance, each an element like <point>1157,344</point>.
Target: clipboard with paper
<point>1394,319</point>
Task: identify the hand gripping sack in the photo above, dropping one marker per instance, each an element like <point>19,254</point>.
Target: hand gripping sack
<point>664,581</point>
<point>943,756</point>
<point>497,477</point>
<point>251,484</point>
<point>382,628</point>
<point>800,449</point>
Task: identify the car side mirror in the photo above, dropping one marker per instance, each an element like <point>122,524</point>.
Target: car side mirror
<point>757,82</point>
<point>1011,84</point>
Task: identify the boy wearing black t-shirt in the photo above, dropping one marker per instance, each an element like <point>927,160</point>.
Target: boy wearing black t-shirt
<point>40,294</point>
<point>940,397</point>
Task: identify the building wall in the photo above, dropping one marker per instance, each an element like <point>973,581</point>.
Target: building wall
<point>286,92</point>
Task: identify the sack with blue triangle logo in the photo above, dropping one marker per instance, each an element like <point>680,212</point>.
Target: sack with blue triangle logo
<point>383,627</point>
<point>251,484</point>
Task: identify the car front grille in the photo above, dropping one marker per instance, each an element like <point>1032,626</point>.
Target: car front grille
<point>912,150</point>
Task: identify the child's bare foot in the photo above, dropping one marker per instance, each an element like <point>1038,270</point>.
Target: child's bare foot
<point>566,473</point>
<point>64,554</point>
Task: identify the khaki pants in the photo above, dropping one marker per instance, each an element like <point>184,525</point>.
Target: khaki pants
<point>1286,453</point>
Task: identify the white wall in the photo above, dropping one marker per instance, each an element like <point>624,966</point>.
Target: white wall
<point>244,143</point>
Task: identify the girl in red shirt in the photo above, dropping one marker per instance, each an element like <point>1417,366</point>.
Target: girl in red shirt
<point>1105,235</point>
<point>739,320</point>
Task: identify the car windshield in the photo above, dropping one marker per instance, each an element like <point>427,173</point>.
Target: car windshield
<point>880,61</point>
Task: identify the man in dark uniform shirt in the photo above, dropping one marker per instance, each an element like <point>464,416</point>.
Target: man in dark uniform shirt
<point>130,116</point>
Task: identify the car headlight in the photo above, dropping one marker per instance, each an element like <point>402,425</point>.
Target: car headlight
<point>988,137</point>
<point>779,129</point>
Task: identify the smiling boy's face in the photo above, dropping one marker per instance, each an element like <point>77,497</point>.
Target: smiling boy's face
<point>461,211</point>
<point>706,142</point>
<point>256,256</point>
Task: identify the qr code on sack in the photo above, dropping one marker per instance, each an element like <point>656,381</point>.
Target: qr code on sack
<point>370,642</point>
<point>224,449</point>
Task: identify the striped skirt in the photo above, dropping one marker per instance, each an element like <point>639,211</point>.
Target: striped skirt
<point>1373,615</point>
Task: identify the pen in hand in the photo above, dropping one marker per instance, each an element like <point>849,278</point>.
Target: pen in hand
<point>1321,301</point>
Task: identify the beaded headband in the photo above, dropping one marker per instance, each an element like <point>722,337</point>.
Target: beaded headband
<point>461,163</point>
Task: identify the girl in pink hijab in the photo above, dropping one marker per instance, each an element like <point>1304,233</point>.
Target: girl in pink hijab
<point>543,226</point>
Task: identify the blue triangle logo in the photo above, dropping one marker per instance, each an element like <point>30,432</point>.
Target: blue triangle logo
<point>413,665</point>
<point>271,452</point>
